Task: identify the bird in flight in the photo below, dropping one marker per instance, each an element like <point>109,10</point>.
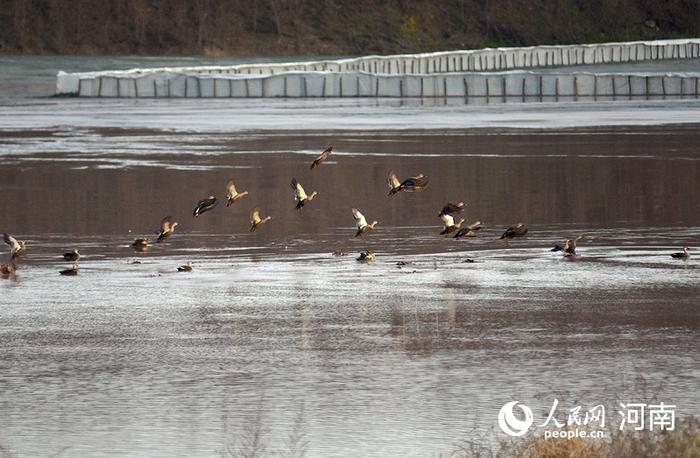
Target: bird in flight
<point>204,205</point>
<point>514,231</point>
<point>413,184</point>
<point>361,222</point>
<point>324,155</point>
<point>300,196</point>
<point>17,247</point>
<point>232,195</point>
<point>167,227</point>
<point>256,220</point>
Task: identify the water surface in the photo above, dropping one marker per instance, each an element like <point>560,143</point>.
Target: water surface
<point>273,337</point>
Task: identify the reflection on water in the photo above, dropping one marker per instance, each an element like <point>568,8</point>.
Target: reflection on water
<point>272,344</point>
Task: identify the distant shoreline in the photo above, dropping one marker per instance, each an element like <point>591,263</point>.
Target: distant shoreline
<point>308,27</point>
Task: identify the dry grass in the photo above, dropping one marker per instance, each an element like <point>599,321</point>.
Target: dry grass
<point>683,442</point>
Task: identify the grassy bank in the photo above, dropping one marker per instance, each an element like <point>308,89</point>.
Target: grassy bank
<point>682,442</point>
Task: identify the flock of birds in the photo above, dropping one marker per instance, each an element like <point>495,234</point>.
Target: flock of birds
<point>413,184</point>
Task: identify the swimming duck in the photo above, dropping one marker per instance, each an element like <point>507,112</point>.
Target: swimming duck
<point>361,222</point>
<point>682,255</point>
<point>469,231</point>
<point>256,220</point>
<point>17,247</point>
<point>451,208</point>
<point>141,244</point>
<point>413,184</point>
<point>338,253</point>
<point>186,268</point>
<point>71,272</point>
<point>204,205</point>
<point>366,256</point>
<point>167,227</point>
<point>300,196</point>
<point>514,231</point>
<point>73,256</point>
<point>232,195</point>
<point>450,225</point>
<point>324,155</point>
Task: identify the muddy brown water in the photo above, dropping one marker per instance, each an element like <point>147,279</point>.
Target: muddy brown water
<point>272,337</point>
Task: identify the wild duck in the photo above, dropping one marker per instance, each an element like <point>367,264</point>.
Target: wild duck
<point>17,247</point>
<point>413,184</point>
<point>450,225</point>
<point>204,205</point>
<point>256,220</point>
<point>682,255</point>
<point>366,256</point>
<point>232,195</point>
<point>72,256</point>
<point>324,155</point>
<point>569,248</point>
<point>167,227</point>
<point>141,244</point>
<point>300,196</point>
<point>451,208</point>
<point>361,222</point>
<point>469,231</point>
<point>514,231</point>
<point>186,268</point>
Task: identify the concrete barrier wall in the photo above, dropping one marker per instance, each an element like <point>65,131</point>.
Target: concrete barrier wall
<point>244,79</point>
<point>360,84</point>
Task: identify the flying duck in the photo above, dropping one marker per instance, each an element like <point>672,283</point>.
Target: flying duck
<point>514,231</point>
<point>469,231</point>
<point>324,155</point>
<point>167,227</point>
<point>17,247</point>
<point>140,244</point>
<point>186,268</point>
<point>682,255</point>
<point>204,205</point>
<point>71,272</point>
<point>569,246</point>
<point>300,196</point>
<point>451,208</point>
<point>569,249</point>
<point>72,256</point>
<point>413,184</point>
<point>450,225</point>
<point>366,256</point>
<point>232,195</point>
<point>361,222</point>
<point>256,221</point>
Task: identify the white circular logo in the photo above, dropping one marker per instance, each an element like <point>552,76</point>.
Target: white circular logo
<point>512,425</point>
